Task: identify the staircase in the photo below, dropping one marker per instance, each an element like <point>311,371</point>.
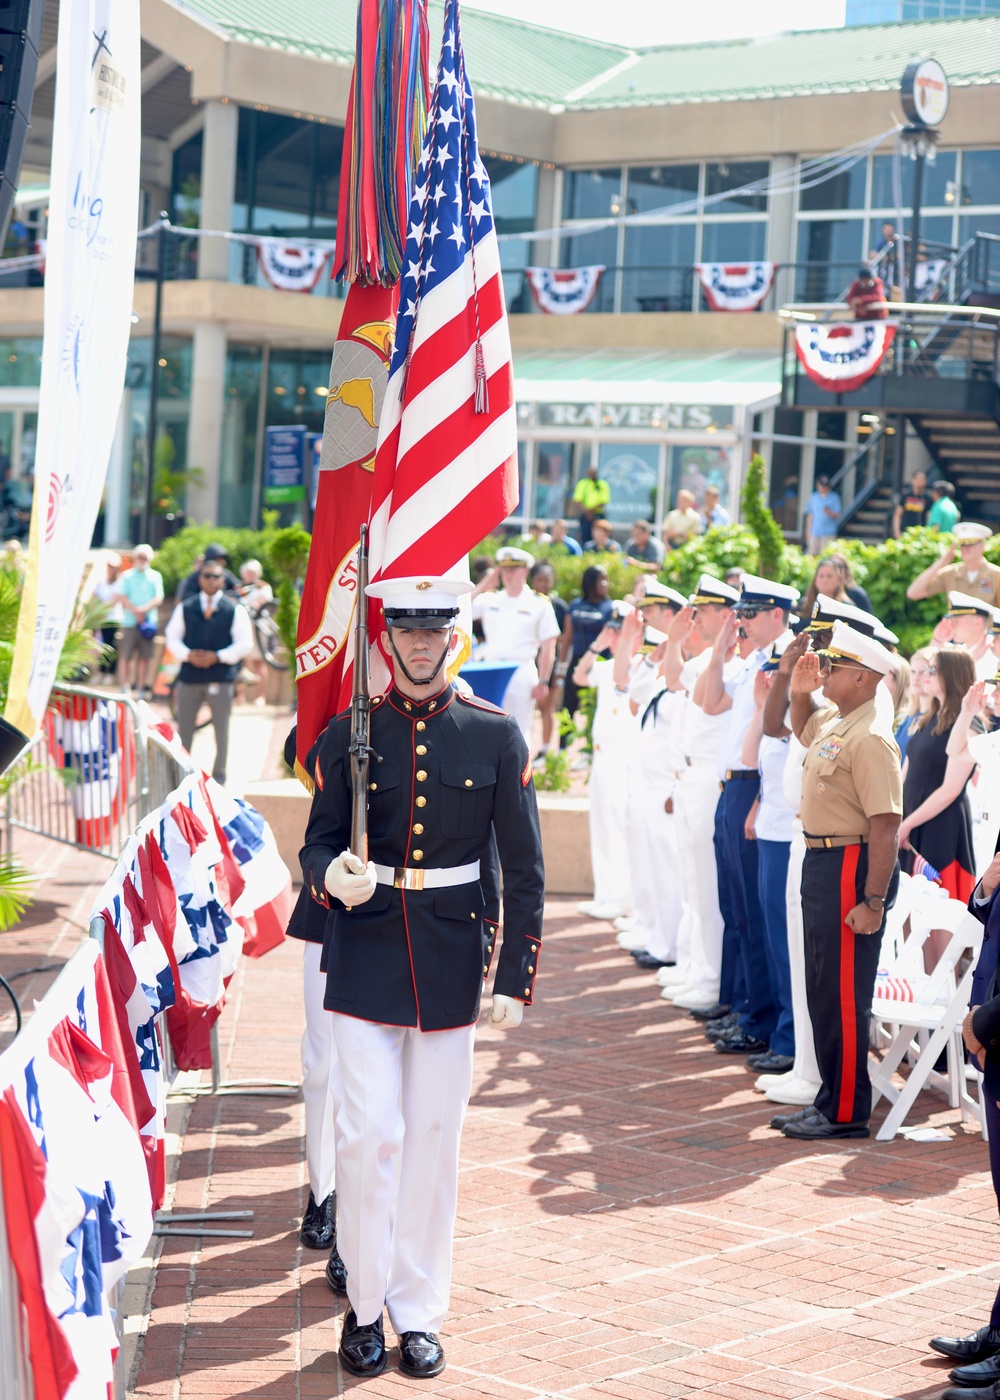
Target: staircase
<point>967,452</point>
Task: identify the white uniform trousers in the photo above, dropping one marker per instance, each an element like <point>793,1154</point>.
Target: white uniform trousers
<point>399,1122</point>
<point>659,884</point>
<point>320,1076</point>
<point>518,699</point>
<point>695,800</point>
<point>609,854</point>
<point>642,877</point>
<point>805,1066</point>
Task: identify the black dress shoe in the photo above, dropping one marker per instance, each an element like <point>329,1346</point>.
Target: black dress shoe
<point>985,1342</point>
<point>780,1119</point>
<point>647,961</point>
<point>319,1224</point>
<point>721,1030</point>
<point>961,1392</point>
<point>711,1013</point>
<point>819,1127</point>
<point>362,1349</point>
<point>771,1063</point>
<point>420,1354</point>
<point>740,1044</point>
<point>336,1273</point>
<point>984,1372</point>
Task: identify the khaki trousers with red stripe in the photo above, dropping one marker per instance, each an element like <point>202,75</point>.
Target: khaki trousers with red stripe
<point>840,978</point>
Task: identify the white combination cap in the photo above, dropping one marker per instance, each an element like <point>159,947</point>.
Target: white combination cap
<point>419,602</point>
<point>657,592</point>
<point>512,555</point>
<point>713,590</point>
<point>827,611</point>
<point>967,530</point>
<point>964,605</point>
<point>847,644</point>
<point>765,593</point>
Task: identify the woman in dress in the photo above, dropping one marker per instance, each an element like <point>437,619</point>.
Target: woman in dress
<point>919,702</point>
<point>937,819</point>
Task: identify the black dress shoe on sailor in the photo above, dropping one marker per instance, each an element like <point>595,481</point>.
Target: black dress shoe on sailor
<point>985,1342</point>
<point>780,1119</point>
<point>740,1044</point>
<point>319,1224</point>
<point>982,1373</point>
<point>336,1273</point>
<point>719,1030</point>
<point>818,1128</point>
<point>960,1392</point>
<point>362,1349</point>
<point>771,1063</point>
<point>420,1354</point>
<point>651,964</point>
<point>711,1013</point>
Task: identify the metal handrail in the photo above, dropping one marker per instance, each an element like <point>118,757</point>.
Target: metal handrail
<point>857,457</point>
<point>806,310</point>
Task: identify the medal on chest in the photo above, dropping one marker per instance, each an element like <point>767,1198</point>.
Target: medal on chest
<point>830,748</point>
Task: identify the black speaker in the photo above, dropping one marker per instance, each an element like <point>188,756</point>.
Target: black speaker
<point>20,33</point>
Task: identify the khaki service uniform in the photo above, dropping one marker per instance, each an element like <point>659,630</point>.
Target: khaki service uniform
<point>851,773</point>
<point>986,583</point>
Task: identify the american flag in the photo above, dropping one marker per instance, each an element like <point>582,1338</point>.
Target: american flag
<point>924,868</point>
<point>446,465</point>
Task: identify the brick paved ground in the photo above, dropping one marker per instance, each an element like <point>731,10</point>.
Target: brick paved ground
<point>628,1225</point>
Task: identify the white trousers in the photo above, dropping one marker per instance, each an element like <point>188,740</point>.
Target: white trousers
<point>518,699</point>
<point>399,1124</point>
<point>695,800</point>
<point>656,896</point>
<point>805,1047</point>
<point>320,1076</point>
<point>609,854</point>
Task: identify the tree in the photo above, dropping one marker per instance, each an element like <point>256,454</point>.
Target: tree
<point>758,516</point>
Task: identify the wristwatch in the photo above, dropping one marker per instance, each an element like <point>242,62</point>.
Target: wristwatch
<point>875,902</point>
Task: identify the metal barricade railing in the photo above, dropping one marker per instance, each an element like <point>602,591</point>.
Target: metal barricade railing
<point>84,781</point>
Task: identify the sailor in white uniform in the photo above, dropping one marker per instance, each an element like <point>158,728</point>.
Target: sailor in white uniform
<point>519,626</point>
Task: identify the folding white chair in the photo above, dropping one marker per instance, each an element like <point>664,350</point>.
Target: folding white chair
<point>919,1030</point>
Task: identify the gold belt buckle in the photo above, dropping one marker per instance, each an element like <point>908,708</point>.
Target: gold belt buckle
<point>405,879</point>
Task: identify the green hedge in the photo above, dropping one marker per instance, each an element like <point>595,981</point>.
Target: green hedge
<point>884,570</point>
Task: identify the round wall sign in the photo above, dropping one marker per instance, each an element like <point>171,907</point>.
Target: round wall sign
<point>924,91</point>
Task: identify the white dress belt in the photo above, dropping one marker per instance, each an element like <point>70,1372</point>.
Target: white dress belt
<point>403,878</point>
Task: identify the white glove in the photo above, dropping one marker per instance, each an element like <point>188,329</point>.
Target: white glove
<point>350,880</point>
<point>505,1011</point>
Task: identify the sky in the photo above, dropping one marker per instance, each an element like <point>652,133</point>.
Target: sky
<point>639,22</point>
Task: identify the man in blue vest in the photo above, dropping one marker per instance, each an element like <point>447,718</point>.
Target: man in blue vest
<point>210,635</point>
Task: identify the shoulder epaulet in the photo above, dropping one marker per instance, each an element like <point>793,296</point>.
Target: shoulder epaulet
<point>478,703</point>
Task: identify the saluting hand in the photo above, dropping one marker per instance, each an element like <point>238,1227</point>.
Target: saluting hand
<point>798,646</point>
<point>681,625</point>
<point>806,676</point>
<point>761,686</point>
<point>974,699</point>
<point>728,634</point>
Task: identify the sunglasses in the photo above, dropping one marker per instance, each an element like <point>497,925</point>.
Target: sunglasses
<point>210,575</point>
<point>748,614</point>
<point>825,664</point>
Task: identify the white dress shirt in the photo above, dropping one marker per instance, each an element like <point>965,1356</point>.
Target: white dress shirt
<point>242,632</point>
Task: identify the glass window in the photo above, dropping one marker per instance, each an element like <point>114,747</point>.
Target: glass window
<point>843,191</point>
<point>595,249</point>
<point>658,186</point>
<point>981,177</point>
<point>295,379</point>
<point>515,192</point>
<point>590,194</point>
<point>283,173</point>
<point>733,242</point>
<point>829,255</point>
<point>631,470</point>
<point>694,468</point>
<point>558,465</point>
<point>658,274</point>
<point>938,176</point>
<point>20,363</point>
<point>326,183</point>
<point>730,175</point>
<point>785,469</point>
<point>239,435</point>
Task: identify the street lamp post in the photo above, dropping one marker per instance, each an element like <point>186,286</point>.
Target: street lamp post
<point>154,377</point>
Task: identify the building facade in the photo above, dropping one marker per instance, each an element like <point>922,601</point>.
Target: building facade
<point>242,133</point>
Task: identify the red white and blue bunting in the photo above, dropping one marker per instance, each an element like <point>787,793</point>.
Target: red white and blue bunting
<point>736,286</point>
<point>563,292</point>
<point>842,356</point>
<point>291,267</point>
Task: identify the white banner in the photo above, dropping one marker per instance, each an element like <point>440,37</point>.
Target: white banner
<point>563,292</point>
<point>736,286</point>
<point>90,257</point>
<point>928,273</point>
<point>841,356</point>
<point>291,267</point>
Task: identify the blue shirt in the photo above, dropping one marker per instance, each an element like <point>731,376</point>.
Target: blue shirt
<point>819,522</point>
<point>570,545</point>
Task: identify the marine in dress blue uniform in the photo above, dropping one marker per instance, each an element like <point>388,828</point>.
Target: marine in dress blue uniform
<point>410,940</point>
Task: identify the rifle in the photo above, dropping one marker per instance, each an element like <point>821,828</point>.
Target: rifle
<point>361,751</point>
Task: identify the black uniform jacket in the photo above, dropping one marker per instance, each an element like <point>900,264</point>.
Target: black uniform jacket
<point>986,1021</point>
<point>451,785</point>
